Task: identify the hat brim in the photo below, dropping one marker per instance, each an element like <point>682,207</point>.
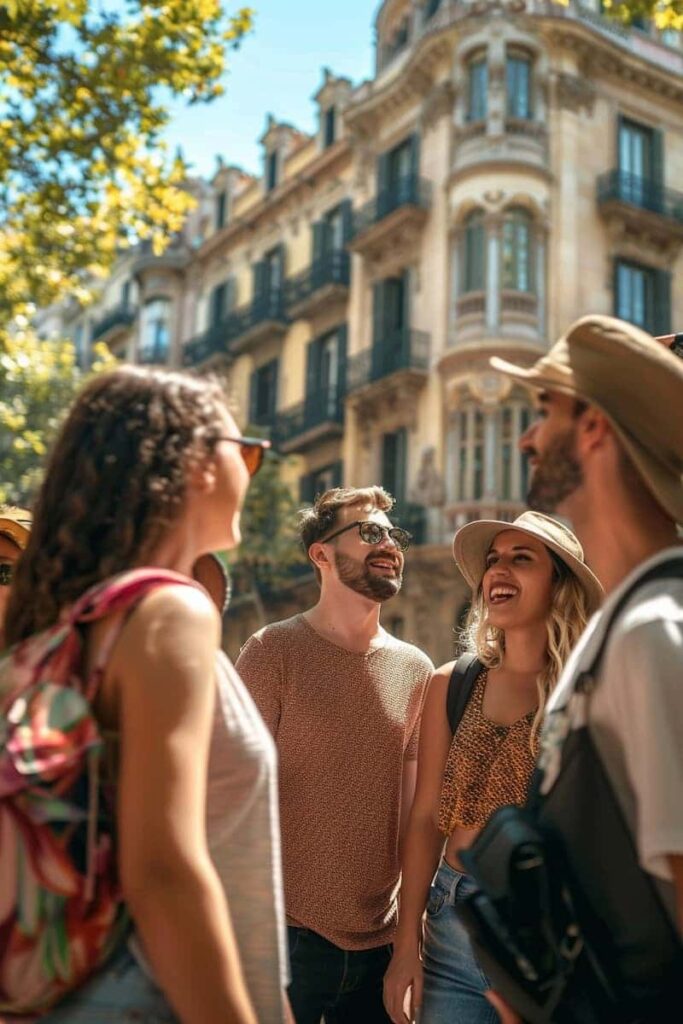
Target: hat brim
<point>15,532</point>
<point>665,485</point>
<point>472,542</point>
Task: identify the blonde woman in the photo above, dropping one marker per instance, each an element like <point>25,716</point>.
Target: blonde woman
<point>531,597</point>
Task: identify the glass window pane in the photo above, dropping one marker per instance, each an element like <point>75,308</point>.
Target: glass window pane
<point>473,254</point>
<point>516,252</point>
<point>518,81</point>
<point>478,90</point>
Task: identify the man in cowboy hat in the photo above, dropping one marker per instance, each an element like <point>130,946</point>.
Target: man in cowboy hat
<point>15,528</point>
<point>607,452</point>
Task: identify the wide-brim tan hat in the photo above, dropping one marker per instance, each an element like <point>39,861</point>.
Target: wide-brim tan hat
<point>635,381</point>
<point>472,543</point>
<point>15,523</point>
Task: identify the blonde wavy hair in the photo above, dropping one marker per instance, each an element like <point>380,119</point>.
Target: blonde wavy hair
<point>566,621</point>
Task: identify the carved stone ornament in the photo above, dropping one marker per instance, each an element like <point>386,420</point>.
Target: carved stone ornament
<point>437,103</point>
<point>490,388</point>
<point>574,93</point>
<point>428,489</point>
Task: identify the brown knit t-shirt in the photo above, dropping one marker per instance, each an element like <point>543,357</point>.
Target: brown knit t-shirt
<point>344,724</point>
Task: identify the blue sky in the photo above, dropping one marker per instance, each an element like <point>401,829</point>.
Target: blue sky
<point>276,70</point>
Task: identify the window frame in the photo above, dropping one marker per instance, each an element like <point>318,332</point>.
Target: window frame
<point>477,91</point>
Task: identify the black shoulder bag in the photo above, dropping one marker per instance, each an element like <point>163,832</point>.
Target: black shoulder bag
<point>566,924</point>
<point>460,686</point>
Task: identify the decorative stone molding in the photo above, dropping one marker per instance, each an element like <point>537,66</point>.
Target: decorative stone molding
<point>489,388</point>
<point>438,103</point>
<point>574,93</point>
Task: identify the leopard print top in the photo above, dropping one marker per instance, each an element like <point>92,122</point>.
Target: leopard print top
<point>488,766</point>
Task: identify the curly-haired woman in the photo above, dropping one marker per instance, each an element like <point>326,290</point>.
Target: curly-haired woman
<point>531,596</point>
<point>149,470</point>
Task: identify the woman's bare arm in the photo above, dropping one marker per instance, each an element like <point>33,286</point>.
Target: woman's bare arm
<point>163,668</point>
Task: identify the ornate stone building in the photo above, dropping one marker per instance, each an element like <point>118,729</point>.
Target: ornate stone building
<point>509,167</point>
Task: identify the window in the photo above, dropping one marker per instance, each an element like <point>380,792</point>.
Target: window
<point>155,337</point>
<point>218,304</point>
<point>642,295</point>
<point>478,84</point>
<point>319,481</point>
<point>221,210</point>
<point>636,149</point>
<point>79,339</point>
<point>334,230</point>
<point>473,254</point>
<point>512,476</point>
<point>517,255</point>
<point>430,8</point>
<point>271,171</point>
<point>125,294</point>
<point>518,85</point>
<point>263,399</point>
<point>329,127</point>
<point>394,459</point>
<point>469,443</point>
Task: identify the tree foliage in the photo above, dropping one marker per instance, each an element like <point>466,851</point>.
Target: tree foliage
<point>38,381</point>
<point>664,13</point>
<point>84,97</point>
<point>270,554</point>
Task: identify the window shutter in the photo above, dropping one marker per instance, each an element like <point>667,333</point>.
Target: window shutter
<point>662,302</point>
<point>312,370</point>
<point>401,464</point>
<point>347,219</point>
<point>657,157</point>
<point>337,474</point>
<point>253,393</point>
<point>273,389</point>
<point>318,242</point>
<point>260,276</point>
<point>379,312</point>
<point>306,486</point>
<point>382,183</point>
<point>621,129</point>
<point>342,343</point>
<point>230,294</point>
<point>415,156</point>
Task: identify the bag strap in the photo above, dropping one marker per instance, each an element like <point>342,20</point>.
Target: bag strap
<point>671,569</point>
<point>460,686</point>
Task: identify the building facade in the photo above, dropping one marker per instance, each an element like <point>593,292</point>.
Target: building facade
<point>511,165</point>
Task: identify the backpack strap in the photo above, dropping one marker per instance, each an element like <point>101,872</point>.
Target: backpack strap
<point>671,569</point>
<point>460,686</point>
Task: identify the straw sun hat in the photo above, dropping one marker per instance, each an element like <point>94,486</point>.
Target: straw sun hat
<point>15,523</point>
<point>636,381</point>
<point>472,542</point>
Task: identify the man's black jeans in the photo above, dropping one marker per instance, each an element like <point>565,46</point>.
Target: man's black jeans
<point>344,986</point>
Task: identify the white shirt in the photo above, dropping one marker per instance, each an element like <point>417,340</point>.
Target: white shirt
<point>635,714</point>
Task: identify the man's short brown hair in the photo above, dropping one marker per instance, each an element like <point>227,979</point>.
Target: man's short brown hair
<point>320,519</point>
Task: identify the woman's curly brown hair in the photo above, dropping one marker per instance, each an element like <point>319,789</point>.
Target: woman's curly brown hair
<point>115,481</point>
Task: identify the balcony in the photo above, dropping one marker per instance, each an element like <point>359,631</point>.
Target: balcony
<point>640,203</point>
<point>211,343</point>
<point>264,318</point>
<point>395,216</point>
<point>324,282</point>
<point>412,518</point>
<point>239,330</point>
<point>153,355</point>
<point>114,322</point>
<point>401,356</point>
<point>318,418</point>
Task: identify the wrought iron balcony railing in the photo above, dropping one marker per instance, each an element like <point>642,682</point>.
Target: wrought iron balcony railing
<point>122,315</point>
<point>402,349</point>
<point>332,268</point>
<point>216,339</point>
<point>410,190</point>
<point>640,192</point>
<point>324,406</point>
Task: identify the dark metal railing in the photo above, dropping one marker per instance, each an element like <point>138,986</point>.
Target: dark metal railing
<point>402,349</point>
<point>641,192</point>
<point>331,268</point>
<point>122,315</point>
<point>324,406</point>
<point>412,518</point>
<point>410,190</point>
<point>217,338</point>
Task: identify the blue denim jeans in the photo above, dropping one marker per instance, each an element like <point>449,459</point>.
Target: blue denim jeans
<point>454,983</point>
<point>344,986</point>
<point>121,993</point>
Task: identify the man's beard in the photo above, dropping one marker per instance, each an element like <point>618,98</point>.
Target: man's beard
<point>357,576</point>
<point>557,474</point>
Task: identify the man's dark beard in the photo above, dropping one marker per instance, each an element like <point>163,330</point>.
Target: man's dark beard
<point>556,475</point>
<point>357,576</point>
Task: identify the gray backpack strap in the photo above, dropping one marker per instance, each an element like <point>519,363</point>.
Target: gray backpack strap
<point>460,686</point>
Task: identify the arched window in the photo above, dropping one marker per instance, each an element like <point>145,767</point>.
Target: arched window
<point>469,449</point>
<point>518,85</point>
<point>512,476</point>
<point>473,254</point>
<point>477,88</point>
<point>517,251</point>
<point>156,331</point>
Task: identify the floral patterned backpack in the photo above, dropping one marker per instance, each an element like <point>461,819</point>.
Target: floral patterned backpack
<point>61,912</point>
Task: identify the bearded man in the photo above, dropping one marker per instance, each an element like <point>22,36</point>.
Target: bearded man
<point>342,698</point>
